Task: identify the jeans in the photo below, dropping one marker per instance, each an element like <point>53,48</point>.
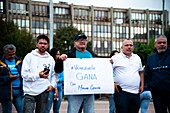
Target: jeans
<point>40,100</point>
<point>127,102</point>
<point>56,103</point>
<point>111,104</point>
<point>145,98</point>
<point>161,101</point>
<point>75,101</point>
<point>17,101</point>
<point>6,107</point>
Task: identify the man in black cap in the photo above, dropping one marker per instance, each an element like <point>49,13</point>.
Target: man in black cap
<point>80,50</point>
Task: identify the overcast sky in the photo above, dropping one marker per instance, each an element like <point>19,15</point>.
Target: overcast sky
<point>133,4</point>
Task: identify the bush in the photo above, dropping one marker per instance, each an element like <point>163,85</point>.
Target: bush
<point>10,34</point>
<point>167,33</point>
<point>145,49</point>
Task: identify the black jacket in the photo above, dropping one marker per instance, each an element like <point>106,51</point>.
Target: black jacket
<point>158,71</point>
<point>70,54</point>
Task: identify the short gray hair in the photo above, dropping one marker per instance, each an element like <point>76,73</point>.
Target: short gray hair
<point>9,46</point>
<point>163,36</point>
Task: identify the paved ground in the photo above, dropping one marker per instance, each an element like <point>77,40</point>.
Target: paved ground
<point>101,106</point>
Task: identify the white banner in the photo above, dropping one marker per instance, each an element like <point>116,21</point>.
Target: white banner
<point>88,76</point>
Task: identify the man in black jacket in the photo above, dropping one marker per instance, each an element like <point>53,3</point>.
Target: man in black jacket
<point>80,51</point>
<point>158,75</point>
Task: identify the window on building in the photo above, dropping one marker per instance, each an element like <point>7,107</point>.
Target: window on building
<point>27,23</point>
<point>37,24</point>
<point>155,19</point>
<point>15,21</point>
<point>17,8</point>
<point>39,10</point>
<point>13,6</point>
<point>120,17</point>
<point>33,24</point>
<point>101,15</point>
<point>1,7</point>
<point>19,22</point>
<point>45,25</point>
<point>23,23</point>
<point>63,13</point>
<point>9,6</point>
<point>41,25</point>
<point>81,14</point>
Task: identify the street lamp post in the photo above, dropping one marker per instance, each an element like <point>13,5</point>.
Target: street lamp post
<point>163,17</point>
<point>51,24</point>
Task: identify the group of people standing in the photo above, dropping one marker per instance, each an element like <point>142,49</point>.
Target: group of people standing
<point>35,83</point>
<point>132,92</point>
<point>32,82</point>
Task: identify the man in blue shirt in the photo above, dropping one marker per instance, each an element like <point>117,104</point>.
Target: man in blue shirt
<point>10,81</point>
<point>80,51</point>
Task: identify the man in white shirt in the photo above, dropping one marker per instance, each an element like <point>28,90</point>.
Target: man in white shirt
<point>129,79</point>
<point>38,77</point>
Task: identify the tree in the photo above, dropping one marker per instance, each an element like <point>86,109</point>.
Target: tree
<point>145,49</point>
<point>64,38</point>
<point>10,34</point>
<point>167,34</point>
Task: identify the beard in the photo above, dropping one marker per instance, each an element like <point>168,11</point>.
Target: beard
<point>42,49</point>
<point>162,49</point>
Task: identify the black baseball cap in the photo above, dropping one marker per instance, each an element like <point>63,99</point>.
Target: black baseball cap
<point>80,36</point>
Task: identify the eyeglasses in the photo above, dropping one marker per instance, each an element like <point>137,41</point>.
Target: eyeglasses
<point>81,40</point>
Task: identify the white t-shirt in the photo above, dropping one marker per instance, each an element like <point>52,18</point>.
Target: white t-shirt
<point>126,72</point>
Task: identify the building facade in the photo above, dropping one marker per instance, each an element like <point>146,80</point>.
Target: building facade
<point>105,27</point>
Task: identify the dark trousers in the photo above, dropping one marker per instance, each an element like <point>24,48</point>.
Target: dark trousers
<point>161,101</point>
<point>40,100</point>
<point>127,102</point>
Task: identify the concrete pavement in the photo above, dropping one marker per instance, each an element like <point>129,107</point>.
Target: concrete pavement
<point>101,106</point>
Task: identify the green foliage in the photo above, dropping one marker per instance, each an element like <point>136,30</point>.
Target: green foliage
<point>10,34</point>
<point>64,38</point>
<point>145,49</point>
<point>167,34</point>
